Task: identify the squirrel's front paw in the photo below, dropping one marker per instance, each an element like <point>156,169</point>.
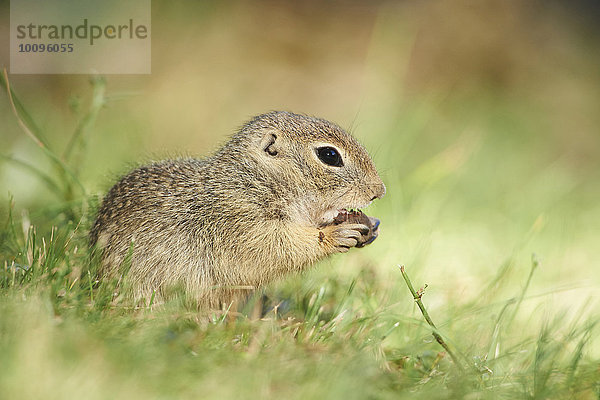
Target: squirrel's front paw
<point>339,238</point>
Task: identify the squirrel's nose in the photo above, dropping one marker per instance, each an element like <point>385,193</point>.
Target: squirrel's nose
<point>379,192</point>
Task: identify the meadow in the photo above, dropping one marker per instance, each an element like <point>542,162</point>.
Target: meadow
<point>483,122</point>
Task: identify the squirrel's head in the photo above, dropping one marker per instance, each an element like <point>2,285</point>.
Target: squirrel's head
<point>325,167</point>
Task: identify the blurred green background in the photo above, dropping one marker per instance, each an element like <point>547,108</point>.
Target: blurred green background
<point>483,119</point>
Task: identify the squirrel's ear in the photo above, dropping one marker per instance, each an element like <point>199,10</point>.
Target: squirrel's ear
<point>269,144</point>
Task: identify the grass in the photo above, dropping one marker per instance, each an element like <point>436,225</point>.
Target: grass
<point>491,207</point>
<point>323,335</point>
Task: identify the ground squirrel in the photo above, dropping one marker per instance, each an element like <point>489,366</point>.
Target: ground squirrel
<point>261,207</point>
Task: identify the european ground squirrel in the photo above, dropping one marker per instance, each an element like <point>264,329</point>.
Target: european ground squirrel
<point>273,200</point>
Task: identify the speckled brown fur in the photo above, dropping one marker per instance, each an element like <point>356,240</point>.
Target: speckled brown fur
<point>260,208</point>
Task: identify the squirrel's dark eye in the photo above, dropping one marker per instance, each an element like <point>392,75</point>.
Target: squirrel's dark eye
<point>330,156</point>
